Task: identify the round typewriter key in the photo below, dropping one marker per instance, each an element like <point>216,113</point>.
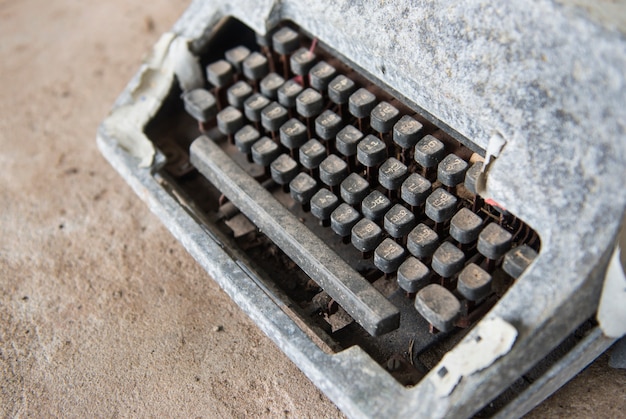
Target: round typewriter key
<point>302,61</point>
<point>413,275</point>
<point>465,226</point>
<point>347,139</point>
<point>392,173</point>
<point>293,134</point>
<point>371,151</point>
<point>312,153</point>
<point>383,117</point>
<point>285,41</point>
<point>323,203</point>
<point>255,66</point>
<point>440,205</point>
<point>447,260</point>
<point>270,84</point>
<point>340,88</point>
<point>333,170</point>
<point>406,132</point>
<point>283,169</point>
<point>327,125</point>
<point>288,92</point>
<point>471,177</point>
<point>451,170</point>
<point>219,73</point>
<point>375,205</point>
<point>361,103</point>
<point>438,306</point>
<point>229,120</point>
<point>245,138</point>
<point>398,221</point>
<point>265,151</point>
<point>366,235</point>
<point>429,151</point>
<point>422,241</point>
<point>494,241</point>
<point>236,56</point>
<point>354,189</point>
<point>415,189</point>
<point>200,104</point>
<point>320,75</point>
<point>253,106</point>
<point>517,260</point>
<point>309,103</point>
<point>238,93</point>
<point>343,219</point>
<point>474,283</point>
<point>273,116</point>
<point>388,256</point>
<point>302,188</point>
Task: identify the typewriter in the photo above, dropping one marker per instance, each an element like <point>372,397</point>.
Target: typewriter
<point>417,202</point>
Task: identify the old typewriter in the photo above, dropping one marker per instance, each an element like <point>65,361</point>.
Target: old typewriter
<point>418,204</point>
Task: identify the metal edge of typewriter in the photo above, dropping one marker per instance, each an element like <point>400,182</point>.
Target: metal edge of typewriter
<point>486,70</point>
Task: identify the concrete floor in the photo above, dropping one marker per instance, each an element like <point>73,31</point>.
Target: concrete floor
<point>102,312</point>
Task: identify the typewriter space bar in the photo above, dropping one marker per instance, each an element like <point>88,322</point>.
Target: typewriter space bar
<point>346,286</point>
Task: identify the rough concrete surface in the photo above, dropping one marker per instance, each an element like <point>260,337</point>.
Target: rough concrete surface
<point>102,312</point>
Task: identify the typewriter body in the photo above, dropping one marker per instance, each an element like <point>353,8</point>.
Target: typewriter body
<point>416,201</point>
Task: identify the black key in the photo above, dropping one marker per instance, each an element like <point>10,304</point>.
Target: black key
<point>392,173</point>
<point>245,138</point>
<point>236,56</point>
<point>293,134</point>
<point>288,92</point>
<point>200,104</point>
<point>388,256</point>
<point>429,151</point>
<point>399,221</point>
<point>413,275</point>
<point>474,283</point>
<point>333,170</point>
<point>238,93</point>
<point>347,139</point>
<point>285,41</point>
<point>343,219</point>
<point>354,189</point>
<point>448,260</point>
<point>219,73</point>
<point>371,151</point>
<point>253,106</point>
<point>283,169</point>
<point>312,153</point>
<point>384,116</point>
<point>465,226</point>
<point>323,203</point>
<point>270,84</point>
<point>320,75</point>
<point>361,103</point>
<point>302,188</point>
<point>517,260</point>
<point>375,205</point>
<point>451,170</point>
<point>327,125</point>
<point>415,189</point>
<point>229,120</point>
<point>406,132</point>
<point>255,66</point>
<point>302,61</point>
<point>273,116</point>
<point>440,205</point>
<point>438,306</point>
<point>340,88</point>
<point>366,235</point>
<point>494,241</point>
<point>422,241</point>
<point>309,103</point>
<point>264,151</point>
<point>471,177</point>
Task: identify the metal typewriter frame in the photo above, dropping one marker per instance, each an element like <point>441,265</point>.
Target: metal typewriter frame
<point>510,74</point>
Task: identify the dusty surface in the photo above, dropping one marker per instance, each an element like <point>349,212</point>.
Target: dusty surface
<point>102,312</point>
